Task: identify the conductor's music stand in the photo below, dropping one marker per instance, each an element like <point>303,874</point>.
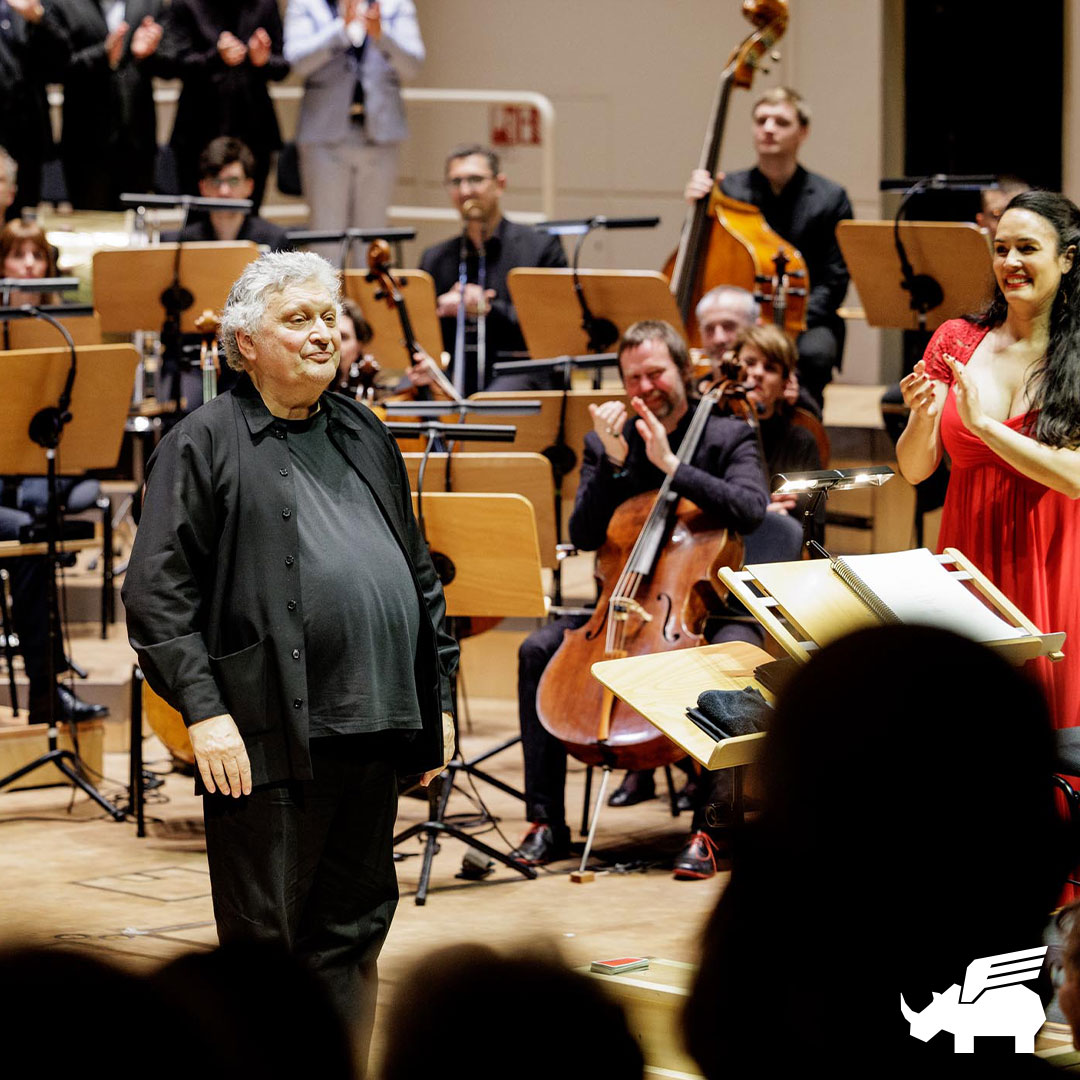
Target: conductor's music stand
<point>480,578</point>
<point>94,408</point>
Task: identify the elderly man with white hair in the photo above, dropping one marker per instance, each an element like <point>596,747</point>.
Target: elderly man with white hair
<point>281,597</point>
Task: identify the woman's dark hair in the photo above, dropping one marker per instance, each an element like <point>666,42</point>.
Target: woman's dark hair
<point>1054,384</point>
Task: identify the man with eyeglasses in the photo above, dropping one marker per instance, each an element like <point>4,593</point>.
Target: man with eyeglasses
<point>475,185</point>
<point>226,169</point>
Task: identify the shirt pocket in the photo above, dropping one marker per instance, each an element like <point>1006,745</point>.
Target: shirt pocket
<point>244,679</point>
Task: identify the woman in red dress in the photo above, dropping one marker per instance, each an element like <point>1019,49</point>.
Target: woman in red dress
<point>1011,427</point>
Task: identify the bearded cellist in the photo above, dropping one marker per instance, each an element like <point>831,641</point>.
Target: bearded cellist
<point>624,456</point>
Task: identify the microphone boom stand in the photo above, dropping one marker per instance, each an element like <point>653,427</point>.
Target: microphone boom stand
<point>46,429</point>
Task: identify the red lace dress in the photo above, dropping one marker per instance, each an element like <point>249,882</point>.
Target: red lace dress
<point>1022,535</point>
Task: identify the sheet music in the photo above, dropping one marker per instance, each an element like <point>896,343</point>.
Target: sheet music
<point>921,591</point>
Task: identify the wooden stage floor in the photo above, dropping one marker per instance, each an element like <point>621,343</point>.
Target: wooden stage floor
<point>71,877</point>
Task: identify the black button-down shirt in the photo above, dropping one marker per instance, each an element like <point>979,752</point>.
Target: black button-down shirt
<point>211,591</point>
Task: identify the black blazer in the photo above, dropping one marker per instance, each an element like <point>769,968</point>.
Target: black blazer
<point>217,99</point>
<point>109,120</point>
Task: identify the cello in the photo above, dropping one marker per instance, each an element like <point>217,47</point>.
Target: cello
<point>659,569</point>
<point>725,241</point>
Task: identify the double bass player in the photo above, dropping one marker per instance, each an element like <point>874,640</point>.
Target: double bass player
<point>623,457</point>
<point>804,208</point>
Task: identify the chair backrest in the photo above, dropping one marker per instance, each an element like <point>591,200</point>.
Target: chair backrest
<point>806,419</point>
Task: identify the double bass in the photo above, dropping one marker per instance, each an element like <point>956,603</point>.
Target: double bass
<point>725,241</point>
<point>658,567</point>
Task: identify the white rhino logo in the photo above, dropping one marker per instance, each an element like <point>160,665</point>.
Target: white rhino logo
<point>988,1004</point>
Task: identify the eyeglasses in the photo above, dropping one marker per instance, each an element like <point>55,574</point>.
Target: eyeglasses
<point>231,182</point>
<point>472,181</point>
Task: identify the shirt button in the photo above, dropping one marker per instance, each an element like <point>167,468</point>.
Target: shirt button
<point>289,560</point>
<point>286,513</point>
<point>291,605</point>
<point>296,654</point>
<point>284,472</point>
<point>297,702</point>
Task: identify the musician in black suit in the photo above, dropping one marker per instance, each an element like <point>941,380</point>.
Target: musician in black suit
<point>804,208</point>
<point>626,455</point>
<point>31,54</point>
<point>109,137</point>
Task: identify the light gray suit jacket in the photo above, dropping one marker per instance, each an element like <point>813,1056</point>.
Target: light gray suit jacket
<point>317,47</point>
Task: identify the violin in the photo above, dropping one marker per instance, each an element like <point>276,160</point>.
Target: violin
<point>728,242</point>
<point>378,258</point>
<point>659,573</point>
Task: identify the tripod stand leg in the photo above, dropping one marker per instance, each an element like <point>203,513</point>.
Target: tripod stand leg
<point>581,874</point>
<point>438,801</point>
<point>60,759</point>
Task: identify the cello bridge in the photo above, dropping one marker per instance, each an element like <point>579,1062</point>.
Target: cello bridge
<point>624,606</point>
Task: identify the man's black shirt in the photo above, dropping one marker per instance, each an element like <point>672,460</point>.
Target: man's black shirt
<point>510,245</point>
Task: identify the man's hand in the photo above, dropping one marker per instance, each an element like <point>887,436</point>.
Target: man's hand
<point>258,48</point>
<point>30,10</point>
<point>146,39</point>
<point>608,419</point>
<point>781,503</point>
<point>221,755</point>
<point>449,745</point>
<point>420,374</point>
<point>373,20</point>
<point>657,448</point>
<point>231,49</point>
<point>114,45</point>
<point>700,185</point>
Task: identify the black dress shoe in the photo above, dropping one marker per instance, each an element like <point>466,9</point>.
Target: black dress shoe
<point>689,795</point>
<point>543,843</point>
<point>697,860</point>
<point>68,708</point>
<point>635,787</point>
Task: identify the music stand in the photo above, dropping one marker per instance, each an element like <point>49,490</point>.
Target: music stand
<point>956,255</point>
<point>550,315</point>
<point>528,475</point>
<point>480,578</point>
<point>418,290</point>
<point>128,285</point>
<point>95,417</point>
<point>558,432</point>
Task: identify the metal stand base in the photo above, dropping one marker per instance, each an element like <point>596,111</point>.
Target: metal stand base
<point>438,796</point>
<point>68,764</point>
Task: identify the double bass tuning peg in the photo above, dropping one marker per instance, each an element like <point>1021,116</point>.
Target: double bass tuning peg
<point>775,56</point>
